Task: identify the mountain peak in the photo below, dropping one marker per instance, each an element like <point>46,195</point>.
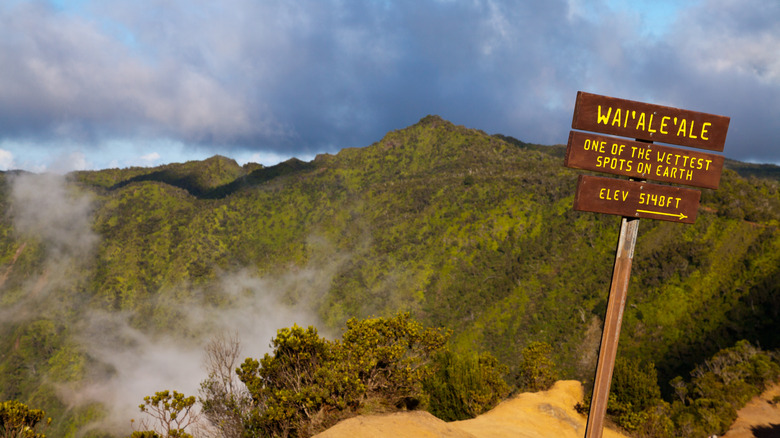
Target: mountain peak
<point>434,120</point>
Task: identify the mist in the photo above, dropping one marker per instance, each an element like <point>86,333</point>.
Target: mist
<point>139,363</point>
<point>51,216</point>
<point>128,356</point>
<point>46,207</point>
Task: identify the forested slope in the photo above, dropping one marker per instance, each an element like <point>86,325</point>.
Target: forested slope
<point>464,230</point>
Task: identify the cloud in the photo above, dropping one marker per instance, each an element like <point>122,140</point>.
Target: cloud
<point>45,207</point>
<point>150,158</point>
<point>316,76</point>
<point>65,77</point>
<point>306,76</point>
<point>49,214</point>
<point>70,161</point>
<point>719,58</point>
<point>133,355</point>
<point>6,160</point>
<point>137,363</point>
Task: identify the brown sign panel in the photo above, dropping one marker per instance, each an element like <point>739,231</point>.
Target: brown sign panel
<point>645,121</point>
<point>641,160</point>
<point>636,199</point>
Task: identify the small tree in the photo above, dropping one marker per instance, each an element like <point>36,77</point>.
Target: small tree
<point>537,371</point>
<point>172,412</point>
<point>19,421</point>
<point>225,401</point>
<point>464,386</point>
<point>308,383</point>
<point>391,357</point>
<point>285,387</point>
<point>635,401</point>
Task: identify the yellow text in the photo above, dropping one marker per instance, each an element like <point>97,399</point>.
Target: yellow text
<point>659,200</point>
<point>613,194</point>
<point>652,123</point>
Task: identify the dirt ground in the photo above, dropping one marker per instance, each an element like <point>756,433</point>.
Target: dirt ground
<point>537,415</point>
<point>531,415</point>
<point>759,418</point>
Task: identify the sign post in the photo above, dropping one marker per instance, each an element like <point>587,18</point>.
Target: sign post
<point>633,199</point>
<point>618,291</point>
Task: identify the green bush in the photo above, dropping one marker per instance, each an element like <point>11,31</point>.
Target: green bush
<point>171,413</point>
<point>287,387</point>
<point>635,402</point>
<point>635,384</point>
<point>708,404</point>
<point>308,383</point>
<point>390,356</point>
<point>464,386</point>
<point>17,420</point>
<point>537,371</point>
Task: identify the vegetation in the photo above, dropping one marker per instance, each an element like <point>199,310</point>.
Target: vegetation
<point>225,401</point>
<point>463,386</point>
<point>704,406</point>
<point>171,413</point>
<point>536,371</point>
<point>719,387</point>
<point>309,383</point>
<point>19,421</point>
<point>466,231</point>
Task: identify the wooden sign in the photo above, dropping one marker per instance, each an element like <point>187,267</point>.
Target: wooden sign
<point>641,160</point>
<point>645,121</point>
<point>636,199</point>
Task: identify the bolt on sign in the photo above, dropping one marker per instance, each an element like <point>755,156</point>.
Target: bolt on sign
<point>640,160</point>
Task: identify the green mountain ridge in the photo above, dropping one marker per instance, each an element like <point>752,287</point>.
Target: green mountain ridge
<point>465,230</point>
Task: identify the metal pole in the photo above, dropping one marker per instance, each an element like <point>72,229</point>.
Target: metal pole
<point>611,333</point>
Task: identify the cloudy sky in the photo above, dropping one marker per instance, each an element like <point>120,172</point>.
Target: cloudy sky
<point>90,84</point>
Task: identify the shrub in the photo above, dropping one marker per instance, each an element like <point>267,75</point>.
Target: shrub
<point>719,387</point>
<point>390,356</point>
<point>537,371</point>
<point>17,420</point>
<point>225,401</point>
<point>463,387</point>
<point>635,402</point>
<point>308,383</point>
<point>172,413</point>
<point>286,387</point>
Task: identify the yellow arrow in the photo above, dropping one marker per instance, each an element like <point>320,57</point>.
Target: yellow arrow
<point>677,215</point>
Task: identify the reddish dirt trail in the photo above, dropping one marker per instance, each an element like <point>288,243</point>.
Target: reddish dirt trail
<point>7,272</point>
<point>531,415</point>
<point>760,418</point>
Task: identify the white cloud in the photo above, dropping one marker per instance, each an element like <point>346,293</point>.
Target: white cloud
<point>151,157</point>
<point>145,362</point>
<point>75,160</point>
<point>315,76</point>
<point>727,36</point>
<point>44,206</point>
<point>271,158</point>
<point>66,72</point>
<point>6,160</point>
